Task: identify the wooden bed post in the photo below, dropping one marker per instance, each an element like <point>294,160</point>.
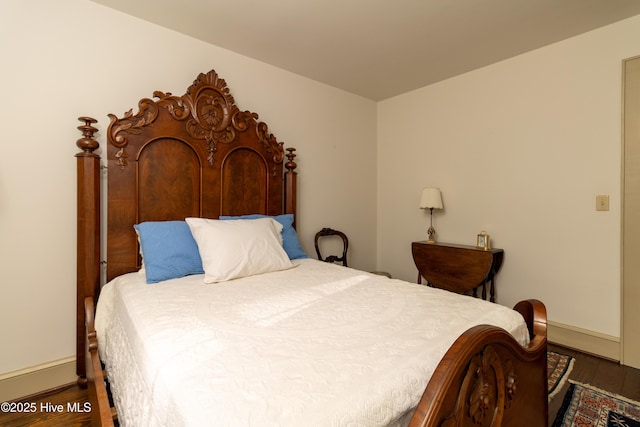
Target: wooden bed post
<point>290,182</point>
<point>88,256</point>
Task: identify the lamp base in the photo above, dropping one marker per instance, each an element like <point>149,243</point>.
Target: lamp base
<point>432,235</point>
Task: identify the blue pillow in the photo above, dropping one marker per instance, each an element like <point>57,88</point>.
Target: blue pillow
<point>289,236</point>
<point>169,250</point>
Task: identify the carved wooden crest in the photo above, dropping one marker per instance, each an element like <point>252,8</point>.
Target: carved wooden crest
<point>208,111</point>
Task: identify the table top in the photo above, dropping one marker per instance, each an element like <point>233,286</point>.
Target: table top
<point>458,268</point>
<point>459,246</point>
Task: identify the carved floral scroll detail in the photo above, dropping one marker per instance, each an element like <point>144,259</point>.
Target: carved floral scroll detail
<point>488,388</point>
<point>209,112</point>
<point>511,383</point>
<point>130,125</point>
<point>273,147</point>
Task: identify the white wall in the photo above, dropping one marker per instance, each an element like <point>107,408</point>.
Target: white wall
<point>70,58</point>
<point>519,149</point>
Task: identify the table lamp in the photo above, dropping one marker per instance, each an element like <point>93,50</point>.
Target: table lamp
<point>431,199</point>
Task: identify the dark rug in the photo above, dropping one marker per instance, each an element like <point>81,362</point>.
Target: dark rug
<point>558,368</point>
<point>587,406</point>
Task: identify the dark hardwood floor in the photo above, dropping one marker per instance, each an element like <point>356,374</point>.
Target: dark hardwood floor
<point>588,369</point>
<point>598,372</point>
<point>47,411</point>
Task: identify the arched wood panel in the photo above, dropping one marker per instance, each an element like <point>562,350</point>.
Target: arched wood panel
<point>168,181</point>
<point>244,183</point>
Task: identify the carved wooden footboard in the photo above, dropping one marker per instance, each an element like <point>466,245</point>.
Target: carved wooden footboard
<point>487,379</point>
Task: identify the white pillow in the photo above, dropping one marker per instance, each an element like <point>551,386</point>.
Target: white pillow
<point>232,249</point>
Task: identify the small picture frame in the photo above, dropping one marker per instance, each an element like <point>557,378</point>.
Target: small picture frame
<point>482,241</point>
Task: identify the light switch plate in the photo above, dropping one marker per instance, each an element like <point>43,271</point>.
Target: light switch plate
<point>602,203</point>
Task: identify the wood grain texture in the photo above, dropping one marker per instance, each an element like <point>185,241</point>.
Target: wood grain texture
<point>64,395</point>
<point>457,268</point>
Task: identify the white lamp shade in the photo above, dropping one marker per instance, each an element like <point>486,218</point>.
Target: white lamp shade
<point>431,198</point>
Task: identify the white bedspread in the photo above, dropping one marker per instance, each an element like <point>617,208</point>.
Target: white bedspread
<point>317,345</point>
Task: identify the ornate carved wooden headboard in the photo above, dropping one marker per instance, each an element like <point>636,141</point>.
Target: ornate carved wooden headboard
<point>192,155</point>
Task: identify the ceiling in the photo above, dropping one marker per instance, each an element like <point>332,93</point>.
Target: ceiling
<point>379,48</point>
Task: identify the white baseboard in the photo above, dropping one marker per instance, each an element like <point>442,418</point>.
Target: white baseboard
<point>28,381</point>
<point>585,340</point>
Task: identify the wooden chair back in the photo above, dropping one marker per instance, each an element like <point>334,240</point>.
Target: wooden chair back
<point>332,258</point>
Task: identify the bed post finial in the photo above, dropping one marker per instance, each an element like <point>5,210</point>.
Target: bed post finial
<point>88,223</point>
<point>290,178</point>
<point>87,144</point>
<point>291,165</point>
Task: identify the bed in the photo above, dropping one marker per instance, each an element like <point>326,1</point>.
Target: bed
<point>283,339</point>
